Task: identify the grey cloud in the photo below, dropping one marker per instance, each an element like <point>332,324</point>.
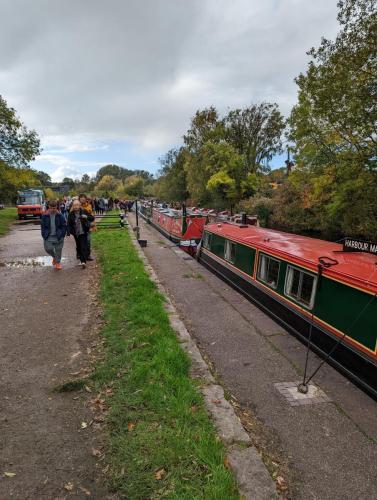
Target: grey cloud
<point>137,70</point>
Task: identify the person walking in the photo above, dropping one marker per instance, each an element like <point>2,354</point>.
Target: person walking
<point>79,221</point>
<point>86,205</point>
<point>54,229</point>
<point>101,205</point>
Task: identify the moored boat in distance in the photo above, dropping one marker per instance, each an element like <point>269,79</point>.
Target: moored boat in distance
<point>184,227</point>
<point>313,287</point>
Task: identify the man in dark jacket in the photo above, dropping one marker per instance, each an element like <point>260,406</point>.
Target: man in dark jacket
<point>54,229</point>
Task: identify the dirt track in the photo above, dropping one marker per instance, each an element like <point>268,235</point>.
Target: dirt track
<point>45,335</point>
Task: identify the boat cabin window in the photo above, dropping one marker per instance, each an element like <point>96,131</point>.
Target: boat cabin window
<point>300,286</point>
<point>230,251</point>
<point>207,240</point>
<point>268,270</point>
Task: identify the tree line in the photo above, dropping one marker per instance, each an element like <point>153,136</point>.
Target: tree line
<point>330,188</point>
<point>332,134</point>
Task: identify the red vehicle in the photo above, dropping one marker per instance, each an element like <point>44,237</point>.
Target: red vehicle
<point>30,203</point>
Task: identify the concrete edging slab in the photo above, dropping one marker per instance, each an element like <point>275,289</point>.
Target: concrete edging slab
<point>254,480</point>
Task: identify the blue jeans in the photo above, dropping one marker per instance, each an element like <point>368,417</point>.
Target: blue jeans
<point>54,248</point>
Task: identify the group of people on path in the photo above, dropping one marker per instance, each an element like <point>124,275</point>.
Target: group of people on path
<point>77,220</point>
<point>102,205</point>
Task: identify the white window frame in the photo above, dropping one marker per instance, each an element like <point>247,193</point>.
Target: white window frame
<point>227,251</point>
<point>288,283</point>
<point>261,261</point>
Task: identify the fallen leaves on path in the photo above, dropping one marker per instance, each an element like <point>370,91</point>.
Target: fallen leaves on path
<point>96,452</point>
<point>69,486</point>
<point>84,425</point>
<point>159,474</point>
<point>282,485</point>
<point>9,474</point>
<point>85,490</point>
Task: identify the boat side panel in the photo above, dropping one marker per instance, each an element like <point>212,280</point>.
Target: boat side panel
<point>362,370</point>
<point>348,310</point>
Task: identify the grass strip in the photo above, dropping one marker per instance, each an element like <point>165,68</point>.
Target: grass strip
<point>7,216</point>
<point>162,443</point>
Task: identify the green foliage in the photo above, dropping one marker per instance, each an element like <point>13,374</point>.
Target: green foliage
<point>121,173</point>
<point>157,420</point>
<point>44,179</point>
<point>7,216</point>
<point>255,132</point>
<point>50,194</point>
<point>334,130</point>
<point>222,159</point>
<point>205,127</point>
<point>18,145</point>
<point>262,206</point>
<point>14,179</point>
<point>134,186</point>
<point>172,185</point>
<point>107,186</point>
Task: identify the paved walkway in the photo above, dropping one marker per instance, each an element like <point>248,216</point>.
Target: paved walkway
<point>328,449</point>
<point>44,337</point>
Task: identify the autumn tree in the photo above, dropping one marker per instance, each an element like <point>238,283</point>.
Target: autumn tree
<point>334,125</point>
<point>18,145</point>
<point>134,186</point>
<point>107,185</point>
<point>15,179</point>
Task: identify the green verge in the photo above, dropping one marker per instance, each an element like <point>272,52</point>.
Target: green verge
<point>162,443</point>
<point>7,216</point>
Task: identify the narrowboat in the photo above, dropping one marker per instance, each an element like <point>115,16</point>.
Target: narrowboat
<point>318,291</point>
<point>183,227</point>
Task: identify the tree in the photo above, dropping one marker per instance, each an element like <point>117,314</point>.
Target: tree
<point>173,183</point>
<point>68,182</point>
<point>85,179</point>
<point>14,179</point>
<point>18,145</point>
<point>44,179</point>
<point>113,170</point>
<point>134,186</point>
<point>334,124</point>
<point>107,185</point>
<point>255,132</point>
<point>261,206</point>
<point>205,126</point>
<point>50,194</point>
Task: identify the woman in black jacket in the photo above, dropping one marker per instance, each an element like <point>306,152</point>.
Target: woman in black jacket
<point>78,225</point>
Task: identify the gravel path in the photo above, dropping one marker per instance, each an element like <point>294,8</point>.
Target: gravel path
<point>46,320</point>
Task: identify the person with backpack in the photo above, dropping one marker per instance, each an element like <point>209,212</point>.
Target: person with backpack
<point>79,221</point>
<point>54,229</point>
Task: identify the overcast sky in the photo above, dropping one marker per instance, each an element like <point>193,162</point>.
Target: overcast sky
<point>116,81</point>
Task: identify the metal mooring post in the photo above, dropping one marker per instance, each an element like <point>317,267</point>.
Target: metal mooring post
<point>121,220</point>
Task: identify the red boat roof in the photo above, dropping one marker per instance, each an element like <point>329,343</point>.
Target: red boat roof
<point>356,268</point>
